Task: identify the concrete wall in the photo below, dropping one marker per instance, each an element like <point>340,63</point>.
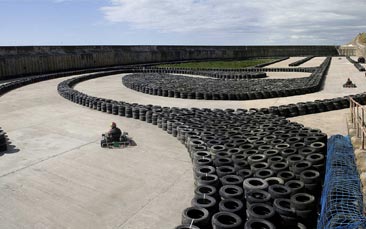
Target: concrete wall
<point>347,51</point>
<point>20,61</point>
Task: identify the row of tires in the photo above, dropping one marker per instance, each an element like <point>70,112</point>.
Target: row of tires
<point>317,106</point>
<point>191,71</point>
<point>209,89</point>
<point>272,62</point>
<point>231,75</point>
<point>3,141</point>
<point>356,64</point>
<point>260,168</point>
<point>300,62</point>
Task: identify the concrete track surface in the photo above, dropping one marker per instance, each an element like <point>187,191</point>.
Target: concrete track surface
<point>59,177</point>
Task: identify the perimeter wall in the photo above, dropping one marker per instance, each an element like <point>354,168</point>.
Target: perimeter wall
<point>27,60</point>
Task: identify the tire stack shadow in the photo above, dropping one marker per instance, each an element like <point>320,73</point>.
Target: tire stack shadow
<point>6,146</point>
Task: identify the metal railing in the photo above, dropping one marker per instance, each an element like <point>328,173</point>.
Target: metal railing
<point>358,120</point>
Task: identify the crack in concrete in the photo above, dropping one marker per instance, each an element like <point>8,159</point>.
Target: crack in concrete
<point>46,159</point>
<point>152,199</point>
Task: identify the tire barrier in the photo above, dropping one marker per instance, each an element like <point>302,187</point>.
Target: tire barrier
<point>229,150</point>
<point>209,89</point>
<point>300,62</point>
<point>342,196</point>
<point>312,107</point>
<point>17,83</point>
<point>191,71</point>
<point>356,64</point>
<point>3,142</point>
<point>231,75</point>
<point>270,63</point>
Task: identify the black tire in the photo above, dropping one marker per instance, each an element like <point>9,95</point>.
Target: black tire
<point>256,158</point>
<point>277,167</point>
<point>279,191</point>
<point>238,165</point>
<point>305,151</point>
<point>257,196</point>
<point>264,173</point>
<point>232,180</point>
<point>310,177</point>
<point>288,152</point>
<point>296,186</point>
<point>271,153</point>
<point>301,166</point>
<point>260,211</point>
<point>283,207</point>
<point>201,154</point>
<point>232,205</point>
<point>293,140</point>
<point>286,175</point>
<point>254,184</point>
<point>245,173</point>
<point>275,159</point>
<point>103,144</point>
<point>302,201</point>
<point>274,180</point>
<point>223,154</point>
<point>239,157</point>
<point>202,162</point>
<point>231,191</point>
<point>226,220</point>
<point>207,190</point>
<point>225,170</point>
<point>208,179</point>
<point>223,161</point>
<point>206,202</point>
<point>259,224</point>
<point>202,170</point>
<point>315,158</point>
<point>196,216</point>
<point>259,165</point>
<point>319,147</point>
<point>295,158</point>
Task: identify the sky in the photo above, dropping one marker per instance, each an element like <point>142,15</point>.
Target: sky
<point>180,22</point>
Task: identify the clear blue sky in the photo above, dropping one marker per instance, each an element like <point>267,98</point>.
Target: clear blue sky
<point>195,22</point>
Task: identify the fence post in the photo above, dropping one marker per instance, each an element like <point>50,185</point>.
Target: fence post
<point>351,108</point>
<point>357,123</point>
<point>362,129</point>
<point>354,114</point>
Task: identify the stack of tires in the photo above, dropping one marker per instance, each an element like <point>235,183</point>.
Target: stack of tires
<point>251,169</point>
<point>299,62</point>
<point>311,107</point>
<point>267,180</point>
<point>185,87</point>
<point>270,63</point>
<point>3,142</point>
<point>356,64</point>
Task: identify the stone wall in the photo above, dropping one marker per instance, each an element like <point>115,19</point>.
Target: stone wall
<point>20,61</point>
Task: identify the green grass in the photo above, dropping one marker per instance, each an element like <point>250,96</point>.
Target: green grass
<point>362,38</point>
<point>218,64</point>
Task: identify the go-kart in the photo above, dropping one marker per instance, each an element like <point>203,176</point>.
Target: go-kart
<point>123,141</point>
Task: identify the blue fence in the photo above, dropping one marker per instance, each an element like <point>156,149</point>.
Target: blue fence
<point>341,202</point>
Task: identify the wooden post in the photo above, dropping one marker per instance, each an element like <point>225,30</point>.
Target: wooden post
<point>362,129</point>
<point>357,123</point>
